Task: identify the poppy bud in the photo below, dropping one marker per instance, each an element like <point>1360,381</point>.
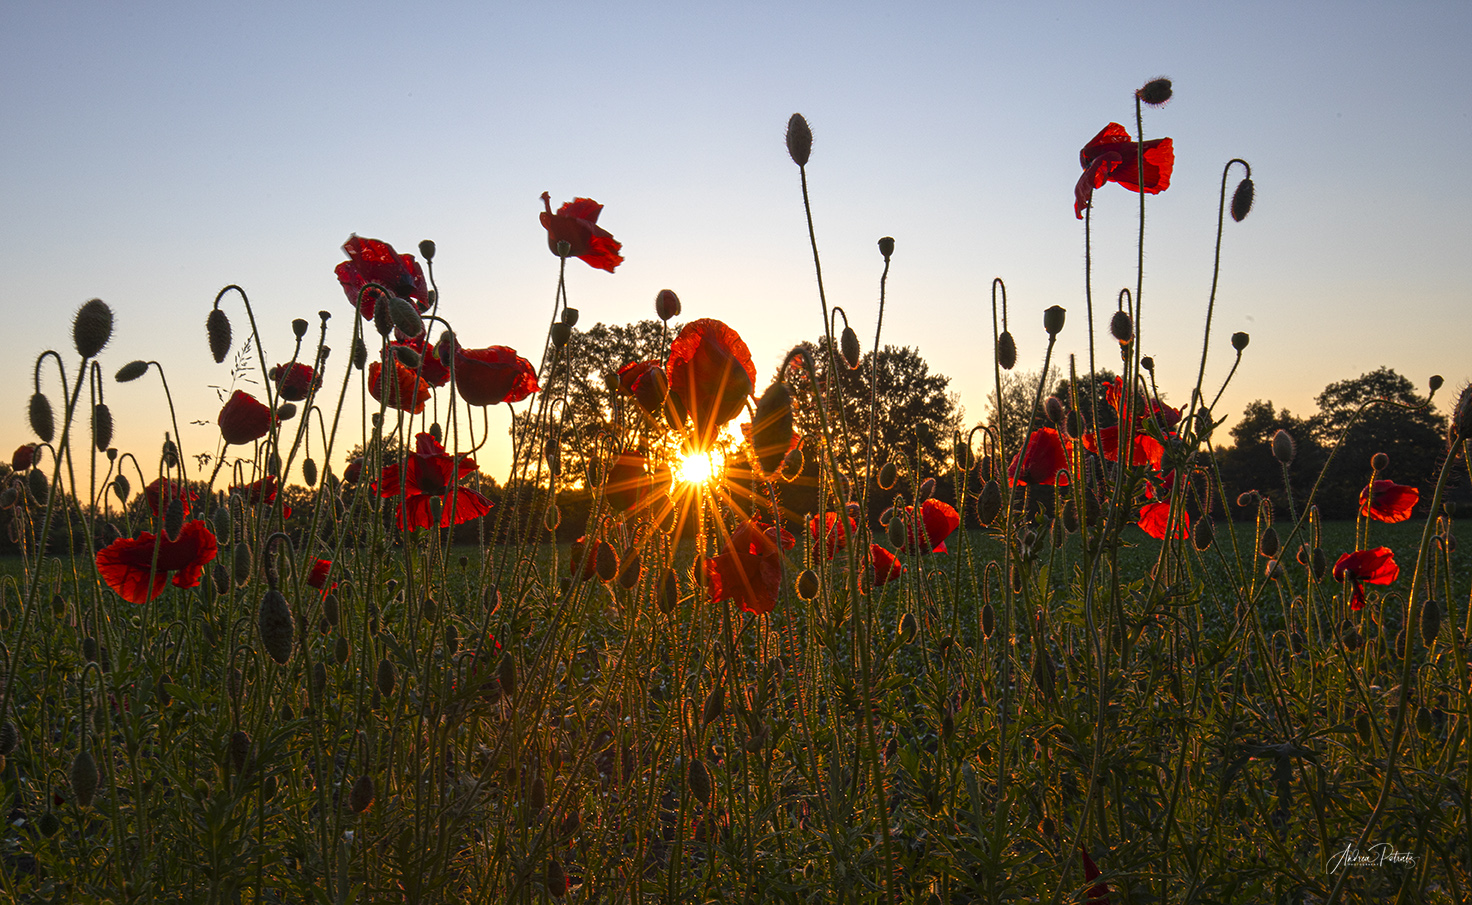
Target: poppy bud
<point>1430,623</point>
<point>606,563</point>
<point>715,705</point>
<point>1242,200</point>
<point>1379,461</point>
<point>561,333</point>
<point>406,316</point>
<point>848,344</point>
<point>629,570</point>
<point>385,678</point>
<point>1320,563</point>
<point>84,778</point>
<point>383,316</point>
<point>927,488</point>
<point>1461,426</point>
<point>361,798</point>
<point>239,749</point>
<point>1006,351</point>
<point>556,879</point>
<point>1122,327</point>
<point>42,421</point>
<point>9,738</point>
<point>36,484</point>
<point>896,529</point>
<point>9,496</point>
<point>799,139</point>
<point>101,426</point>
<point>697,780</point>
<point>1053,409</point>
<point>217,328</point>
<point>23,457</point>
<point>1053,318</point>
<point>174,519</point>
<point>170,452</point>
<point>1240,340</point>
<point>92,327</point>
<point>667,304</point>
<point>1204,533</point>
<point>807,584</point>
<point>552,517</point>
<point>886,248</point>
<point>1283,447</point>
<point>988,620</point>
<point>908,628</point>
<point>989,503</point>
<point>309,472</point>
<point>286,411</point>
<point>669,591</point>
<point>1155,92</point>
<point>360,353</point>
<point>275,624</point>
<point>888,475</point>
<point>131,371</point>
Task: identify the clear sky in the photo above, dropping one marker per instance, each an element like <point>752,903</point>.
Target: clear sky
<point>153,153</point>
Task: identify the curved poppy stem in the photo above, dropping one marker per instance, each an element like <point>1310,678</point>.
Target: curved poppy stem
<point>1216,269</point>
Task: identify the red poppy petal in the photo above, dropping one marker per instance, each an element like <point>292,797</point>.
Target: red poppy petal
<point>581,209</point>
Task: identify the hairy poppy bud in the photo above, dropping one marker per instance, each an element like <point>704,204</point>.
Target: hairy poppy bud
<point>807,584</point>
<point>1435,382</point>
<point>360,353</point>
<point>217,329</point>
<point>405,316</point>
<point>667,304</point>
<point>888,475</point>
<point>629,570</point>
<point>669,592</point>
<point>1269,545</point>
<point>383,316</point>
<point>1320,563</point>
<point>309,472</point>
<point>101,426</point>
<point>1148,364</point>
<point>715,705</point>
<point>275,624</point>
<point>697,780</point>
<point>1379,461</point>
<point>1204,533</point>
<point>342,649</point>
<point>1053,317</point>
<point>1122,326</point>
<point>556,879</point>
<point>896,529</point>
<point>42,421</point>
<point>1283,447</point>
<point>132,371</point>
<point>9,738</point>
<point>386,677</point>
<point>1430,623</point>
<point>1242,200</point>
<point>1053,409</point>
<point>799,139</point>
<point>988,620</point>
<point>286,411</point>
<point>1155,92</point>
<point>886,248</point>
<point>561,333</point>
<point>1240,340</point>
<point>36,484</point>
<point>84,778</point>
<point>989,503</point>
<point>361,798</point>
<point>908,628</point>
<point>174,518</point>
<point>606,562</point>
<point>1006,351</point>
<point>92,327</point>
<point>239,749</point>
<point>426,249</point>
<point>848,344</point>
<point>927,488</point>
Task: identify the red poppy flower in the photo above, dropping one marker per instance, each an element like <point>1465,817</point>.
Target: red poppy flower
<point>1145,450</point>
<point>884,566</point>
<point>353,472</point>
<point>435,372</point>
<point>1375,566</point>
<point>1099,892</point>
<point>374,261</point>
<point>294,382</point>
<point>1142,407</point>
<point>576,223</point>
<point>126,563</point>
<point>1045,459</point>
<point>831,533</point>
<point>262,491</point>
<point>1110,156</point>
<point>749,569</point>
<point>244,419</point>
<point>1155,517</point>
<point>430,474</point>
<point>710,370</point>
<point>629,482</point>
<point>493,375</point>
<point>317,578</point>
<point>160,493</point>
<point>1388,501</point>
<point>647,383</point>
<point>405,391</point>
<point>23,457</point>
<point>938,520</point>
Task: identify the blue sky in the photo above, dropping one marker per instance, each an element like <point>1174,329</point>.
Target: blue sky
<point>154,153</point>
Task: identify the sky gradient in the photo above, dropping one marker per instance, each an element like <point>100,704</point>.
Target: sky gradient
<point>154,153</point>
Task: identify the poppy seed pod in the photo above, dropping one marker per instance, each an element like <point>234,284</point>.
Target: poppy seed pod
<point>299,327</point>
<point>799,139</point>
<point>101,426</point>
<point>84,778</point>
<point>667,304</point>
<point>886,248</point>
<point>848,344</point>
<point>131,371</point>
<point>570,316</point>
<point>92,327</point>
<point>1242,200</point>
<point>1006,351</point>
<point>1155,92</point>
<point>1122,327</point>
<point>386,677</point>
<point>361,798</point>
<point>1283,447</point>
<point>275,624</point>
<point>426,249</point>
<point>1148,364</point>
<point>1379,461</point>
<point>42,421</point>
<point>561,333</point>
<point>1053,318</point>
<point>1240,340</point>
<point>217,329</point>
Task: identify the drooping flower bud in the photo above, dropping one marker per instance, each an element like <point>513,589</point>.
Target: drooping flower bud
<point>1006,351</point>
<point>1203,534</point>
<point>848,344</point>
<point>771,432</point>
<point>275,624</point>
<point>406,317</point>
<point>360,353</point>
<point>92,327</point>
<point>907,629</point>
<point>42,421</point>
<point>807,584</point>
<point>1155,92</point>
<point>309,472</point>
<point>799,139</point>
<point>888,475</point>
<point>386,677</point>
<point>667,304</point>
<point>84,778</point>
<point>989,503</point>
<point>1242,200</point>
<point>174,518</point>
<point>239,749</point>
<point>698,781</point>
<point>217,328</point>
<point>101,426</point>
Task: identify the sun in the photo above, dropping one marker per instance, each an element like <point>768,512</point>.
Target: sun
<point>699,467</point>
